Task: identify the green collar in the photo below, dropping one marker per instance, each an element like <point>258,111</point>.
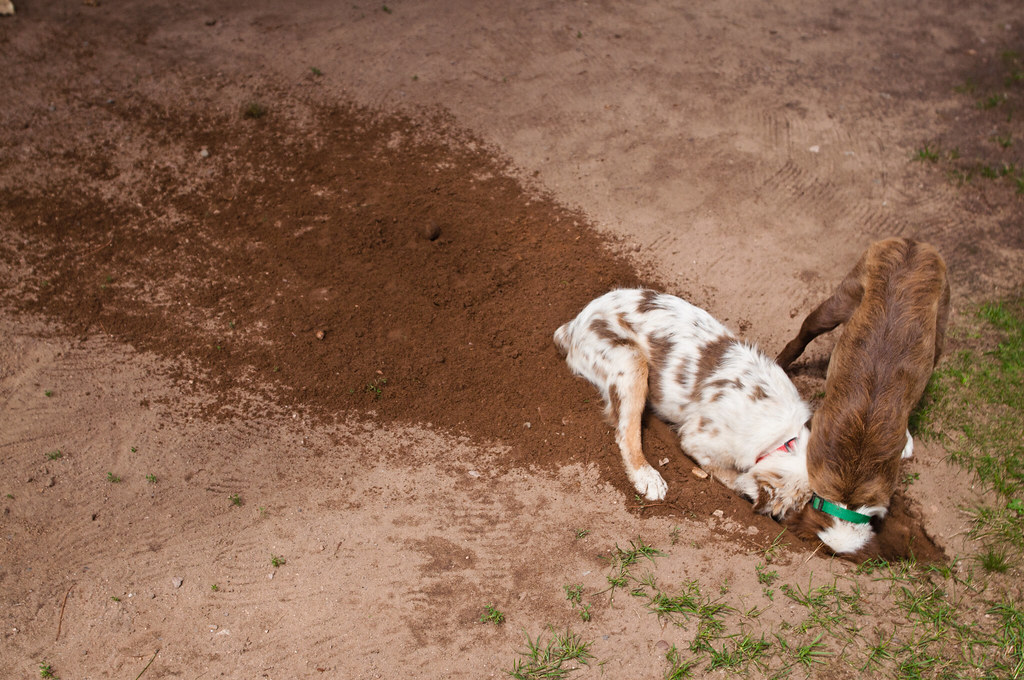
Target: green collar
<point>819,503</point>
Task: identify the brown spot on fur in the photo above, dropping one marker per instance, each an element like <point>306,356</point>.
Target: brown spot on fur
<point>726,384</point>
<point>765,495</point>
<point>660,347</point>
<point>808,522</point>
<point>648,301</point>
<point>604,331</point>
<point>711,356</point>
<point>704,423</point>
<point>625,325</point>
<point>614,405</point>
<point>758,394</point>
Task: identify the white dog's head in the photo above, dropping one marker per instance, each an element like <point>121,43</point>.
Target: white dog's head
<point>777,484</point>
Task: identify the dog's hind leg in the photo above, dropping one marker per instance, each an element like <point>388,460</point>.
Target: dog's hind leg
<point>908,448</point>
<point>829,314</point>
<point>941,320</point>
<point>627,396</point>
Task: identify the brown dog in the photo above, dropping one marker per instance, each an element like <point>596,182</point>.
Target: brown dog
<point>895,304</point>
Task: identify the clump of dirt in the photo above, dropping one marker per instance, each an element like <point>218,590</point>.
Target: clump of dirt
<point>357,263</point>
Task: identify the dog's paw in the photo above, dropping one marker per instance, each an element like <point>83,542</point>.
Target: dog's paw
<point>908,450</point>
<point>650,483</point>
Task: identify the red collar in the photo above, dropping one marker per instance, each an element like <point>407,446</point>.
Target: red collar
<point>785,447</point>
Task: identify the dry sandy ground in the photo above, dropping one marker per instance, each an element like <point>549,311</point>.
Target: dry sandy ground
<point>738,154</point>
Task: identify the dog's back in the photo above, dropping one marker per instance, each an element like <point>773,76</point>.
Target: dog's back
<point>878,371</point>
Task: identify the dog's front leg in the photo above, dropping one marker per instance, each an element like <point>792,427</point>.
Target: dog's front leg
<point>829,314</point>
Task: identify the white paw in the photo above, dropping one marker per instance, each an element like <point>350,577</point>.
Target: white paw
<point>649,482</point>
<point>908,450</point>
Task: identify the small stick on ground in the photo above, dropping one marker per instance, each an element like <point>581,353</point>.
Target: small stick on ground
<point>60,622</point>
<point>147,665</point>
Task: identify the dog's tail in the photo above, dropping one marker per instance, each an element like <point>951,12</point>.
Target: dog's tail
<point>562,338</point>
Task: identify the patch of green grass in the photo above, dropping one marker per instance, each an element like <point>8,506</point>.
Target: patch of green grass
<point>276,561</point>
<point>254,110</point>
<point>879,652</point>
<point>235,500</point>
<point>804,655</point>
<point>678,668</point>
<point>492,615</point>
<point>623,559</point>
<point>766,578</point>
<point>828,607</point>
<point>317,72</point>
<point>1009,638</point>
<point>554,659</point>
<point>46,671</point>
<point>582,533</point>
<point>54,455</point>
<point>151,478</point>
<point>674,535</point>
<point>112,478</point>
<point>992,101</point>
<point>688,602</point>
<point>974,404</point>
<point>994,560</point>
<point>48,393</point>
<point>376,387</point>
<point>741,652</point>
<point>574,594</point>
<point>115,598</point>
<point>968,87</point>
<point>214,587</point>
<point>775,549</point>
<point>926,153</point>
<point>927,603</point>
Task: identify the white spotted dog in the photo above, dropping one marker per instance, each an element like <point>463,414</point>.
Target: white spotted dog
<point>735,411</point>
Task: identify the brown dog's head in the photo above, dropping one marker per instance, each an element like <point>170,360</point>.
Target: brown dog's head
<point>852,471</point>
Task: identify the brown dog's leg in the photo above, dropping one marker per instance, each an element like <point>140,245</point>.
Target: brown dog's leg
<point>829,314</point>
<point>942,318</point>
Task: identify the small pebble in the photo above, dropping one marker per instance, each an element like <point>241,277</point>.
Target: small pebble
<point>177,581</point>
<point>718,513</point>
<point>699,474</point>
<point>431,231</point>
<point>320,335</point>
